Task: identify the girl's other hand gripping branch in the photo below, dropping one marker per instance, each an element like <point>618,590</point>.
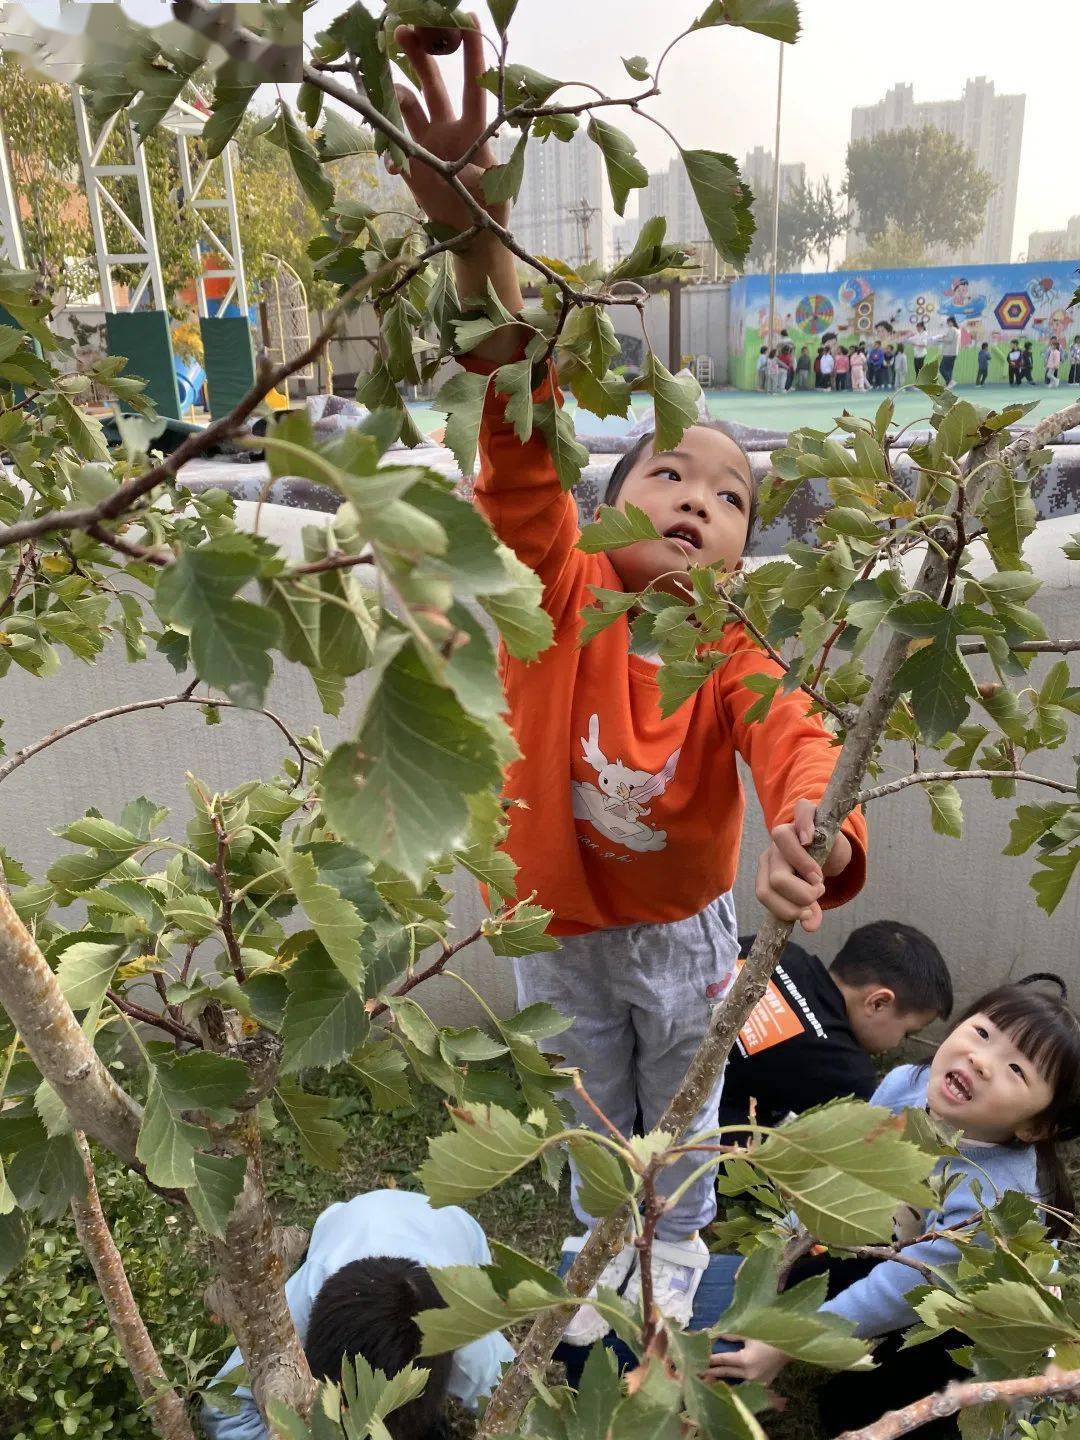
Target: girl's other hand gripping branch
<point>790,882</point>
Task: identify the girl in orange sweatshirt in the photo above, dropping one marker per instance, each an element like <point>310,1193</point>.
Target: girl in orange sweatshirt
<point>629,823</point>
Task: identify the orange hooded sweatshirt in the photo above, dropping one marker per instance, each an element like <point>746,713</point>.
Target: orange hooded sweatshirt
<point>626,817</point>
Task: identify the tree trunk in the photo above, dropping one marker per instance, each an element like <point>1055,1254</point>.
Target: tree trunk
<point>166,1409</point>
<point>57,1043</point>
<point>515,1389</point>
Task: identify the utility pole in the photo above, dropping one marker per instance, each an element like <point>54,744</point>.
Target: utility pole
<point>584,214</point>
<point>776,198</point>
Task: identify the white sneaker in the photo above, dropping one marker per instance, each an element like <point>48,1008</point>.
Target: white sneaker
<point>676,1273</point>
<point>588,1325</point>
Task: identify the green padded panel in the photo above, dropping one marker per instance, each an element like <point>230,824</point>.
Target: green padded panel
<point>228,360</point>
<point>144,337</point>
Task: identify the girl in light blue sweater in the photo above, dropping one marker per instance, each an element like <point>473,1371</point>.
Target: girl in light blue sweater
<point>1008,1078</point>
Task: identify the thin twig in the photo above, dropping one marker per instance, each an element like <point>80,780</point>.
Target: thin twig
<point>20,570</point>
<point>583,1094</point>
<point>153,1017</point>
<point>338,560</point>
<point>28,752</point>
<point>1029,647</point>
<point>844,717</point>
<point>438,965</point>
<point>948,777</point>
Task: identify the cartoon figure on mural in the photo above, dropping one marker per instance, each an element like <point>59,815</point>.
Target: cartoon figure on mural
<point>959,302</point>
<point>617,804</point>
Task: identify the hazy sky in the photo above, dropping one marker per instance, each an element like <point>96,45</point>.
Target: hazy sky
<point>720,85</point>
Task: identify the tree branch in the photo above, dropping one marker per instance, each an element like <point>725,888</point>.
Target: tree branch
<point>28,752</point>
<point>58,1045</point>
<point>165,1406</point>
<point>961,1395</point>
<point>1030,647</point>
<point>157,1018</point>
<point>221,880</point>
<point>935,777</point>
<point>438,965</point>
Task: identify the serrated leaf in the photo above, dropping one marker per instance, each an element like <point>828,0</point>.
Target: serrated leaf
<point>625,171</point>
<point>399,793</point>
<point>612,529</point>
<point>193,915</point>
<point>487,1145</point>
<point>522,85</point>
<point>568,455</point>
<point>474,1307</point>
<point>384,1071</point>
<point>230,638</point>
<point>341,139</point>
<point>501,183</point>
<point>778,19</point>
<point>637,67</point>
<point>516,381</point>
<point>45,1174</point>
<point>232,96</point>
<point>604,1181</point>
<point>675,401</point>
<point>320,1137</point>
<point>217,1185</point>
<point>334,919</point>
<point>313,180</point>
<point>845,1166</point>
<point>86,970</point>
<point>680,679</point>
<point>324,1018</point>
<point>461,399</point>
<point>525,933</point>
<point>1052,878</point>
<point>612,604</point>
<point>946,814</point>
<point>201,1081</point>
<point>791,1321</point>
<point>724,201</point>
<point>525,626</point>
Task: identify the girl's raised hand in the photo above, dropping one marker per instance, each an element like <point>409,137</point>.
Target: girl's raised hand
<point>439,130</point>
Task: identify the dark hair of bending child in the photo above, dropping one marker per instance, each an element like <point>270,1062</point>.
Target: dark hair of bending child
<point>369,1308</point>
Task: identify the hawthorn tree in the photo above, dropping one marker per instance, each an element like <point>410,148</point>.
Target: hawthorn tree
<point>289,925</point>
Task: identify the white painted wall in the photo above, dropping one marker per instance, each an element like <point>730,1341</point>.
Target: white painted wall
<point>973,901</point>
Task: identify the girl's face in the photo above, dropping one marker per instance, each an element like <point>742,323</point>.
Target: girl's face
<point>698,497</point>
<point>982,1084</point>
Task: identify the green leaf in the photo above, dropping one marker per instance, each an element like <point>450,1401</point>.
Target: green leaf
<point>502,12</point>
<point>611,605</point>
<point>167,1143</point>
<point>1011,1319</point>
<point>523,86</point>
<point>525,626</point>
<point>680,679</point>
<point>792,1320</point>
<point>82,429</point>
<point>377,391</point>
<point>605,1181</point>
<point>313,180</point>
<point>1009,514</point>
<point>516,381</point>
<point>675,399</point>
<point>487,1146</point>
<point>334,919</point>
<point>778,19</point>
<point>568,455</point>
<point>399,793</point>
<point>14,1235</point>
<point>590,335</point>
<point>474,1307</point>
<point>637,67</point>
<point>941,689</point>
<point>845,1167</point>
<point>609,395</point>
<point>320,1138</point>
<point>1052,878</point>
<point>341,139</point>
<point>230,638</point>
<point>216,1188</point>
<point>383,1069</point>
<point>719,1411</point>
<point>525,933</point>
<point>232,96</point>
<point>193,915</point>
<point>1031,823</point>
<point>724,201</point>
<point>625,171</point>
<point>324,1018</point>
<point>946,815</point>
<point>461,399</point>
<point>650,254</point>
<point>45,1174</point>
<point>502,182</point>
<point>86,970</point>
<point>612,529</point>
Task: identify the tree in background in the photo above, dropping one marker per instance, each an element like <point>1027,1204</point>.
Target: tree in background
<point>811,218</point>
<point>922,180</point>
<point>894,247</point>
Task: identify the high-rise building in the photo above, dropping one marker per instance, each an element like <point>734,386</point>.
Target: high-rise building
<point>989,124</point>
<point>757,171</point>
<point>669,193</point>
<point>1055,244</point>
<point>561,185</point>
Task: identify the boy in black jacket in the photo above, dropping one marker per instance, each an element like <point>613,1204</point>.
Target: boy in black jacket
<point>811,1038</point>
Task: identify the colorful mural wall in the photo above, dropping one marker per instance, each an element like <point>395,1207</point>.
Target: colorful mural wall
<point>996,303</point>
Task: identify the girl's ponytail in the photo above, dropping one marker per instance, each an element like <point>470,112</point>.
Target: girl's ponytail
<point>1055,1188</point>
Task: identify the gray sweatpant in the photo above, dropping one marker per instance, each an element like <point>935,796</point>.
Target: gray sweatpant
<point>640,999</point>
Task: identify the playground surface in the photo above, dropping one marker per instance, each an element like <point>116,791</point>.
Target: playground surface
<point>795,408</point>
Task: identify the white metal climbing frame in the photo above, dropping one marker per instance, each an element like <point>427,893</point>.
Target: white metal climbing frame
<point>208,209</point>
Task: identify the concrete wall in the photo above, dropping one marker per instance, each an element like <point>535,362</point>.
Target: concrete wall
<point>705,325</point>
<point>975,903</point>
